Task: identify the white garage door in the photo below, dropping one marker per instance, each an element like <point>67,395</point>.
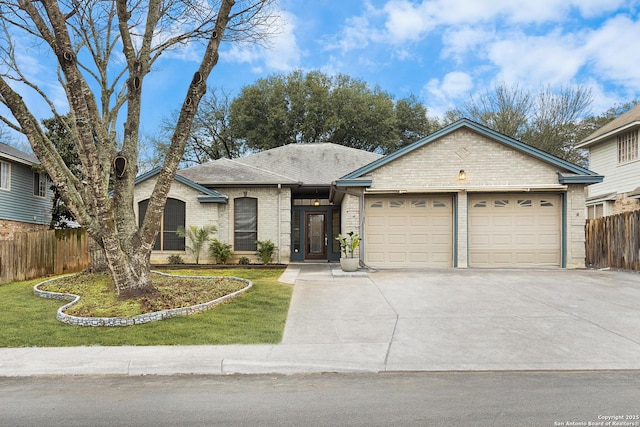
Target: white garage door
<point>409,231</point>
<point>514,230</point>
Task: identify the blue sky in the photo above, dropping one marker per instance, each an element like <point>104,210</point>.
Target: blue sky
<point>442,51</point>
<point>445,51</point>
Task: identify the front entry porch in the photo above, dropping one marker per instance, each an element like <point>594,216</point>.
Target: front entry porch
<point>315,224</point>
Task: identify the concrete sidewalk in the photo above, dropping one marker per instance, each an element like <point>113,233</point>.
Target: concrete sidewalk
<point>402,320</point>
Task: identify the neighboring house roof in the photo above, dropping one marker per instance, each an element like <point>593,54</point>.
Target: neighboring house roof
<point>627,120</point>
<point>10,153</point>
<point>318,163</point>
<point>570,174</point>
<point>207,196</point>
<point>226,171</point>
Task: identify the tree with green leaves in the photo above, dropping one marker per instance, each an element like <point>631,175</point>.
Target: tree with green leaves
<point>313,107</point>
<point>103,52</point>
<point>56,130</point>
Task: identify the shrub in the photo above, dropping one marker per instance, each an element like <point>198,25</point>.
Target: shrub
<point>244,261</point>
<point>220,251</point>
<point>265,251</point>
<point>175,259</point>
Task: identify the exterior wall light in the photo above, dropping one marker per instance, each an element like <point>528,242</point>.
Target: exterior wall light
<point>462,175</point>
<point>316,202</point>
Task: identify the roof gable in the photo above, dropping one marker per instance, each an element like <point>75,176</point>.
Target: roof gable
<point>629,119</point>
<point>572,172</point>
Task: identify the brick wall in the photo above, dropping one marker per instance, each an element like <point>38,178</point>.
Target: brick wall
<point>9,228</point>
<point>350,217</point>
<point>486,163</point>
<point>625,204</point>
<point>575,251</point>
<point>274,218</point>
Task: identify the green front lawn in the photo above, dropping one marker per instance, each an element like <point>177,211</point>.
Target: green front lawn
<point>254,318</point>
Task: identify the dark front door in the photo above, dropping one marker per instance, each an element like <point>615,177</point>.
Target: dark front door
<point>315,245</point>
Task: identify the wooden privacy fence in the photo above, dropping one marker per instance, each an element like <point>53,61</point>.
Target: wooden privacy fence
<point>43,253</point>
<point>614,241</point>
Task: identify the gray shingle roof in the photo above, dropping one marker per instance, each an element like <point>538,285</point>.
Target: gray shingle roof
<point>320,163</point>
<point>290,164</point>
<point>11,153</point>
<point>225,171</point>
<point>630,117</point>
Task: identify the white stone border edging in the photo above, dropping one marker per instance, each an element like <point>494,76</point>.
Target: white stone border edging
<point>141,318</point>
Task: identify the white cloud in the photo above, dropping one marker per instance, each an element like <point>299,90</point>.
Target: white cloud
<point>407,21</point>
<point>552,59</point>
<point>410,21</point>
<point>282,53</point>
<point>444,95</point>
<point>613,52</point>
<point>459,41</point>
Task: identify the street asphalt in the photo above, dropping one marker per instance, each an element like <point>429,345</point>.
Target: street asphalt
<point>402,320</point>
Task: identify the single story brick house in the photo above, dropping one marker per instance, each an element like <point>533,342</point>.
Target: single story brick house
<point>465,196</point>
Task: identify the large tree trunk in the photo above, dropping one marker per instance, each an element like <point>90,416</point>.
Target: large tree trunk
<point>130,268</point>
<point>91,30</point>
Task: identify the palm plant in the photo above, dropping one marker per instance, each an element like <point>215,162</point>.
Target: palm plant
<point>198,237</point>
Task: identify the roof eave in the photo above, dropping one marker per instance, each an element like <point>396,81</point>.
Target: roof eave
<point>586,143</point>
<point>353,183</point>
<point>580,179</point>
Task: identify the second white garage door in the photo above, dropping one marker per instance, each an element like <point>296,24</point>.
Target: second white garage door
<point>514,230</point>
<point>409,231</point>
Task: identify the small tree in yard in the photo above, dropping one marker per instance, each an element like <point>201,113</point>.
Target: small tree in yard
<point>198,236</point>
<point>103,50</point>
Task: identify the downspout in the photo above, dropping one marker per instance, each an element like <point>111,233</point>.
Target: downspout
<point>361,221</point>
<point>279,224</point>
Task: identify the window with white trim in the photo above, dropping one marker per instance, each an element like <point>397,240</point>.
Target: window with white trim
<point>5,175</point>
<point>39,184</point>
<point>628,147</point>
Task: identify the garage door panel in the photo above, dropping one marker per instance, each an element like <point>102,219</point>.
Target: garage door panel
<point>482,221</point>
<point>418,257</point>
<point>514,230</point>
<point>549,239</point>
<point>376,221</point>
<point>503,239</point>
<point>375,239</point>
<point>418,221</point>
<point>397,221</point>
<point>440,221</point>
<point>440,239</point>
<point>375,257</point>
<point>397,257</point>
<point>417,230</point>
<point>397,239</point>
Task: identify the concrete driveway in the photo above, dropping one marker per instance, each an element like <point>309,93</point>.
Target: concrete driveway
<point>468,319</point>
